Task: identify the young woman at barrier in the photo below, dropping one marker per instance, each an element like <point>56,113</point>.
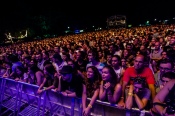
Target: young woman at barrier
<point>91,87</point>
<point>110,88</point>
<point>8,67</point>
<point>49,72</point>
<point>138,95</point>
<point>20,74</point>
<point>35,75</point>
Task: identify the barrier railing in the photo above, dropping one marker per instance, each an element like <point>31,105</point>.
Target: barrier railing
<point>22,99</point>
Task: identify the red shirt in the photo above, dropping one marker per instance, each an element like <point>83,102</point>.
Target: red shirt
<point>146,73</point>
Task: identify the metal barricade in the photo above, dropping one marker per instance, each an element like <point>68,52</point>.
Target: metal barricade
<point>57,104</point>
<point>34,102</point>
<point>22,100</point>
<point>101,108</point>
<point>1,83</point>
<point>10,93</point>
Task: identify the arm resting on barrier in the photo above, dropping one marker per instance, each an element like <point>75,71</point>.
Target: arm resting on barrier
<point>102,93</point>
<point>121,103</point>
<point>84,97</point>
<point>86,110</point>
<point>41,86</point>
<point>161,95</point>
<point>141,103</point>
<point>116,95</point>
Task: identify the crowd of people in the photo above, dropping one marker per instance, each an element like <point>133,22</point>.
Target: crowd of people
<point>129,67</point>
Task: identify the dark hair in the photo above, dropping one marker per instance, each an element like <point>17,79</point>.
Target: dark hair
<point>94,54</point>
<point>139,80</point>
<point>114,78</point>
<point>50,68</point>
<point>165,61</point>
<point>170,75</point>
<point>93,84</point>
<point>118,58</point>
<point>58,57</point>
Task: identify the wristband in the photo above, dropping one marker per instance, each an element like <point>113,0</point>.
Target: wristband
<point>89,105</point>
<point>130,94</point>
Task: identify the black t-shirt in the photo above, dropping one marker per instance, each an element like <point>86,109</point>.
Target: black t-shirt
<point>75,85</point>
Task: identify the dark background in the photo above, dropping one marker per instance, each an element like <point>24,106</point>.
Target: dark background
<point>53,16</point>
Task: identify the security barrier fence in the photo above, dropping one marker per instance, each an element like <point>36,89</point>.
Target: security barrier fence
<point>21,99</point>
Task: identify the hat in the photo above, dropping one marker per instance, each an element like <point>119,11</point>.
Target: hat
<point>66,69</point>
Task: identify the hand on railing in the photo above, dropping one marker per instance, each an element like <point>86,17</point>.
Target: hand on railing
<point>17,79</point>
<point>64,94</point>
<point>39,91</point>
<point>86,111</point>
<point>121,104</point>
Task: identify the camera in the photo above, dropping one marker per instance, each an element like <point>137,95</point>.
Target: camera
<point>170,107</point>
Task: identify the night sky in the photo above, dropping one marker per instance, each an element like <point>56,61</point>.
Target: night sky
<point>18,14</point>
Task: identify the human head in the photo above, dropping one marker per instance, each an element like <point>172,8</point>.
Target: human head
<point>108,74</point>
<point>93,73</point>
<point>139,62</point>
<point>166,65</point>
<point>139,83</point>
<point>66,72</point>
<point>166,77</point>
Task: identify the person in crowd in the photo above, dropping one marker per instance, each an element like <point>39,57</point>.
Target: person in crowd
<point>166,77</point>
<point>58,62</point>
<point>124,63</point>
<point>164,101</point>
<point>110,88</point>
<point>8,67</point>
<point>81,62</point>
<point>71,62</point>
<point>165,65</point>
<point>40,61</point>
<point>116,64</point>
<point>2,69</point>
<point>94,61</point>
<point>138,95</point>
<point>108,59</point>
<point>15,62</point>
<point>20,74</point>
<point>35,75</point>
<point>137,71</point>
<point>49,72</point>
<point>70,84</point>
<point>91,87</point>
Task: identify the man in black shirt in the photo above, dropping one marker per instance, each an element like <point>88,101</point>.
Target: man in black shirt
<point>70,84</point>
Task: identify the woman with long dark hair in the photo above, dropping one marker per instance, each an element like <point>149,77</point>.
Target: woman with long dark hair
<point>110,88</point>
<point>90,88</point>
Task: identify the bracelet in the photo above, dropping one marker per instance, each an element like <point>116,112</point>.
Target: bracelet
<point>130,94</point>
<point>89,105</point>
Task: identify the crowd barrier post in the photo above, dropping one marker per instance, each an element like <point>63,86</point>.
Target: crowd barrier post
<point>72,106</point>
<point>1,89</point>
